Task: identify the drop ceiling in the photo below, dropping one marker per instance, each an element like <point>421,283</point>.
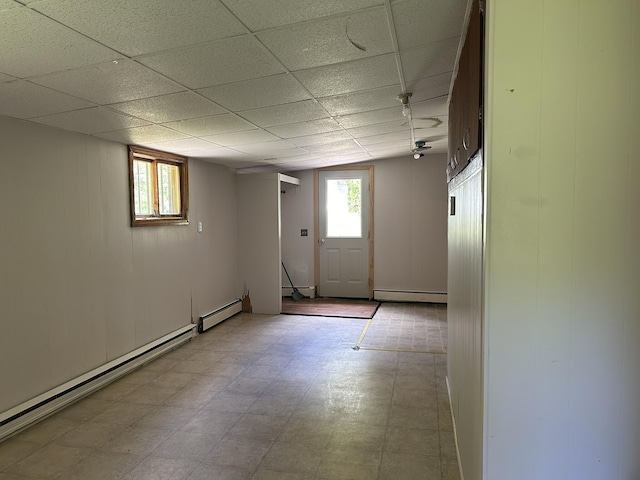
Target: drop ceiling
<point>256,85</point>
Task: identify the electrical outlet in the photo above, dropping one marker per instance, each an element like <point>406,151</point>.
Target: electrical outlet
<point>304,232</point>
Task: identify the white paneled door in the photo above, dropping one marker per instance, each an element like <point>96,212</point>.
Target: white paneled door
<point>344,233</point>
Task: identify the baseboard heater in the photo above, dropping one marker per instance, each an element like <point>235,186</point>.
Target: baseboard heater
<point>212,319</point>
<point>409,296</point>
<point>38,408</point>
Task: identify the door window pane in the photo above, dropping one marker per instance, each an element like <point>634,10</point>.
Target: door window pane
<point>344,208</point>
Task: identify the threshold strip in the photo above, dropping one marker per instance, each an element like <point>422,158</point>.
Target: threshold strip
<point>362,335</point>
<point>399,350</point>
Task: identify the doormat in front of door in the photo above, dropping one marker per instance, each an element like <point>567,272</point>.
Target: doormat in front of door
<point>330,307</point>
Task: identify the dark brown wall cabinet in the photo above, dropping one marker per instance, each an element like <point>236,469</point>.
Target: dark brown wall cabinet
<point>465,107</point>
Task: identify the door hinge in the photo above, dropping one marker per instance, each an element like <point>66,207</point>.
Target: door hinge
<point>480,113</point>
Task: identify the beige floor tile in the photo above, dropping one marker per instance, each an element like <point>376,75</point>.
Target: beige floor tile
<point>103,466</point>
<point>248,385</point>
<point>48,430</point>
<point>172,378</point>
<point>123,413</point>
<point>214,423</point>
<point>50,461</point>
<point>167,417</point>
<point>231,402</point>
<point>191,445</point>
<point>400,466</point>
<point>115,391</point>
<point>90,435</point>
<point>263,474</point>
<point>15,449</point>
<point>292,458</point>
<point>155,468</point>
<point>136,440</point>
<point>238,452</point>
<point>86,409</point>
<point>275,405</point>
<point>412,441</point>
<point>308,432</point>
<point>265,427</point>
<point>409,417</point>
<point>220,472</point>
<point>150,394</point>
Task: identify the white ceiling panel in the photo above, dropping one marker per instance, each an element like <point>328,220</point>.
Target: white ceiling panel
<point>142,135</point>
<point>22,99</point>
<point>371,118</point>
<point>365,74</point>
<point>421,22</point>
<point>285,114</point>
<point>362,101</point>
<point>90,120</point>
<point>172,107</point>
<point>263,15</point>
<point>220,153</point>
<point>241,138</point>
<point>431,108</point>
<point>325,42</point>
<point>430,87</point>
<point>225,61</point>
<point>343,147</point>
<point>182,146</point>
<point>7,4</point>
<point>110,82</point>
<point>267,147</point>
<point>305,128</point>
<point>33,45</point>
<point>428,61</point>
<point>396,125</point>
<point>403,136</point>
<point>136,27</point>
<point>321,138</point>
<point>257,93</point>
<point>6,78</point>
<point>390,153</point>
<point>200,127</point>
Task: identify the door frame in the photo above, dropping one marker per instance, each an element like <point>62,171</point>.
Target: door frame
<point>316,219</point>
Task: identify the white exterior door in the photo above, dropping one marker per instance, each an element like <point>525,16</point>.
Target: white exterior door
<point>343,233</point>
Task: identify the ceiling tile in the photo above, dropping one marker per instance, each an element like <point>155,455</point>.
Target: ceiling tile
<point>321,138</point>
<point>241,138</point>
<point>168,108</point>
<point>181,146</point>
<point>285,114</point>
<point>430,87</point>
<point>370,118</point>
<point>362,101</point>
<point>400,147</point>
<point>22,99</point>
<point>347,158</point>
<point>199,127</point>
<point>7,4</point>
<point>284,153</point>
<point>262,15</point>
<point>90,120</point>
<point>257,93</point>
<point>136,27</point>
<point>391,152</point>
<point>343,147</point>
<point>431,60</point>
<point>420,22</point>
<point>402,136</point>
<point>219,153</point>
<point>34,45</point>
<point>305,128</point>
<point>225,61</point>
<point>141,135</point>
<point>110,82</point>
<point>6,78</point>
<point>349,77</point>
<point>432,134</point>
<point>399,124</point>
<point>325,42</point>
<point>264,148</point>
<point>430,108</point>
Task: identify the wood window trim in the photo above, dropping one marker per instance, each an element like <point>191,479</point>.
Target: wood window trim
<point>156,156</point>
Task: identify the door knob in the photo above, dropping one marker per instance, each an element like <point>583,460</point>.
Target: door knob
<point>322,241</point>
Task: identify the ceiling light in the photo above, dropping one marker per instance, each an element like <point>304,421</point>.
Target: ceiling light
<point>418,155</point>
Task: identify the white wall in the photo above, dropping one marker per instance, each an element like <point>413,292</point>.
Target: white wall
<point>562,312</point>
<point>79,287</point>
<point>410,225</point>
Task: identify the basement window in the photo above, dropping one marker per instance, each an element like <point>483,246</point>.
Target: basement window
<point>159,188</point>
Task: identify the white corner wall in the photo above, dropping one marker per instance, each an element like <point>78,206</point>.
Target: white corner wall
<point>259,270</point>
<point>562,311</point>
<point>79,287</point>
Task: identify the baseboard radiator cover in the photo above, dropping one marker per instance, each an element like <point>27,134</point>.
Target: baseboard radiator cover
<point>46,404</point>
<point>309,292</point>
<point>409,296</point>
<point>212,319</point>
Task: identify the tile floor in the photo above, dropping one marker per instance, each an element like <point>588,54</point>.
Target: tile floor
<point>265,398</point>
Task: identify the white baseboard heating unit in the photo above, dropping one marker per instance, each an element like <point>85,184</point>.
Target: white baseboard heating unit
<point>38,408</point>
<point>212,319</point>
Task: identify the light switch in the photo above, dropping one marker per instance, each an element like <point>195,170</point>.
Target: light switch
<point>199,227</point>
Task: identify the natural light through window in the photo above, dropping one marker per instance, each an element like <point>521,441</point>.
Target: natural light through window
<point>344,208</point>
<point>159,190</point>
